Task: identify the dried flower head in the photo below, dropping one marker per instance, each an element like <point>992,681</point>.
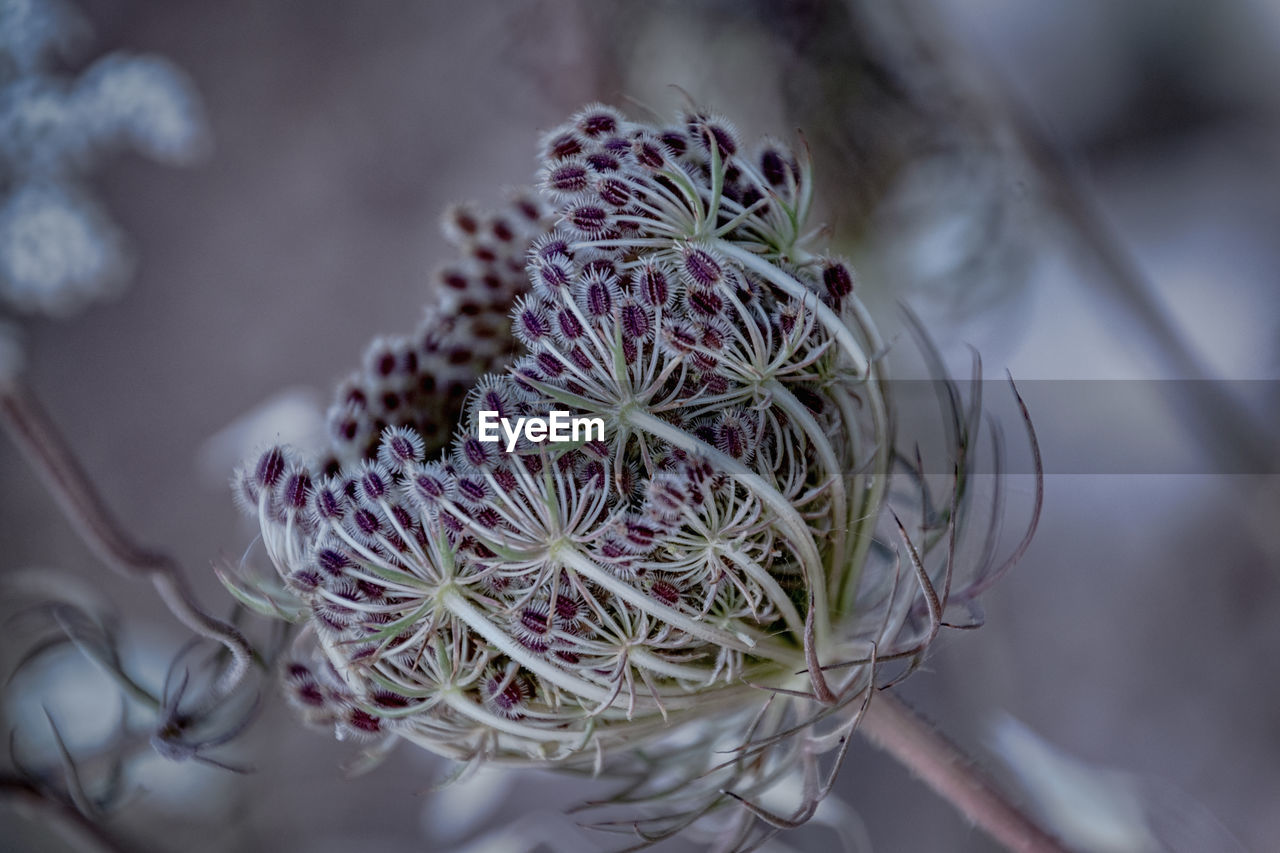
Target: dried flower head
<point>706,582</point>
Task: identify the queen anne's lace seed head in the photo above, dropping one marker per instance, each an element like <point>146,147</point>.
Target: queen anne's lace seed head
<point>566,602</point>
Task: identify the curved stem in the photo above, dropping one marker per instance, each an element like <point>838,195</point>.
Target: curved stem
<point>839,510</point>
<point>930,755</point>
<point>36,435</point>
<point>78,831</point>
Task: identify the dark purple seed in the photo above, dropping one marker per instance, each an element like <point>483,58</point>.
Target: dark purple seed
<point>774,168</point>
<point>552,249</point>
<point>364,721</point>
<point>367,523</point>
<point>603,161</point>
<point>565,145</point>
<point>681,336</point>
<point>712,337</point>
<point>569,324</point>
<point>614,193</point>
<point>429,487</point>
<point>838,280</point>
<point>535,620</point>
<point>505,479</point>
<point>640,534</point>
<point>731,439</point>
<point>465,222</point>
<point>675,141</point>
<point>402,448</point>
<point>297,491</point>
<point>665,591</point>
<point>568,178</point>
<point>600,267</point>
<point>506,699</point>
<point>714,383</point>
<point>636,322</point>
<point>702,268</point>
<point>598,124</point>
<point>568,609</point>
<point>648,155</point>
<point>704,302</point>
<point>455,280</point>
<point>309,693</point>
<point>475,452</point>
<point>270,467</point>
<point>549,364</point>
<point>332,561</point>
<point>306,579</point>
<point>598,301</point>
<point>654,289</point>
<point>494,400</point>
<point>472,489</point>
<point>589,219</point>
<point>373,484</point>
<point>387,699</point>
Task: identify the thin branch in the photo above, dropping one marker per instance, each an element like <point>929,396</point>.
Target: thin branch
<point>939,763</point>
<point>39,439</point>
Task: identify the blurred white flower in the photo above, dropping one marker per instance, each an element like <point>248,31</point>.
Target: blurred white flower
<point>58,249</point>
<point>30,30</point>
<point>145,102</point>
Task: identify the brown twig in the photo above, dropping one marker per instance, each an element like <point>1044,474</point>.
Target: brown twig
<point>37,436</point>
<point>939,763</point>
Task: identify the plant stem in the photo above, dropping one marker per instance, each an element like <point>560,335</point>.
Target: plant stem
<point>39,439</point>
<point>939,763</point>
<point>78,831</point>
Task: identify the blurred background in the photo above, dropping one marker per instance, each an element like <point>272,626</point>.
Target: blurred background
<point>1080,190</point>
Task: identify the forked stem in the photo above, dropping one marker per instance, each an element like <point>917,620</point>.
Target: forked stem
<point>39,439</point>
<point>894,727</point>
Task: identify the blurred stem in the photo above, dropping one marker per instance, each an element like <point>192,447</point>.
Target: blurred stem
<point>77,830</point>
<point>39,439</point>
<point>1217,418</point>
<point>939,763</point>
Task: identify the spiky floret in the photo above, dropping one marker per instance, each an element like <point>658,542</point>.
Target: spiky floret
<point>696,576</point>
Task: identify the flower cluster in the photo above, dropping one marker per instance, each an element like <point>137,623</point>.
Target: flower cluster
<point>421,380</point>
<point>692,584</point>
